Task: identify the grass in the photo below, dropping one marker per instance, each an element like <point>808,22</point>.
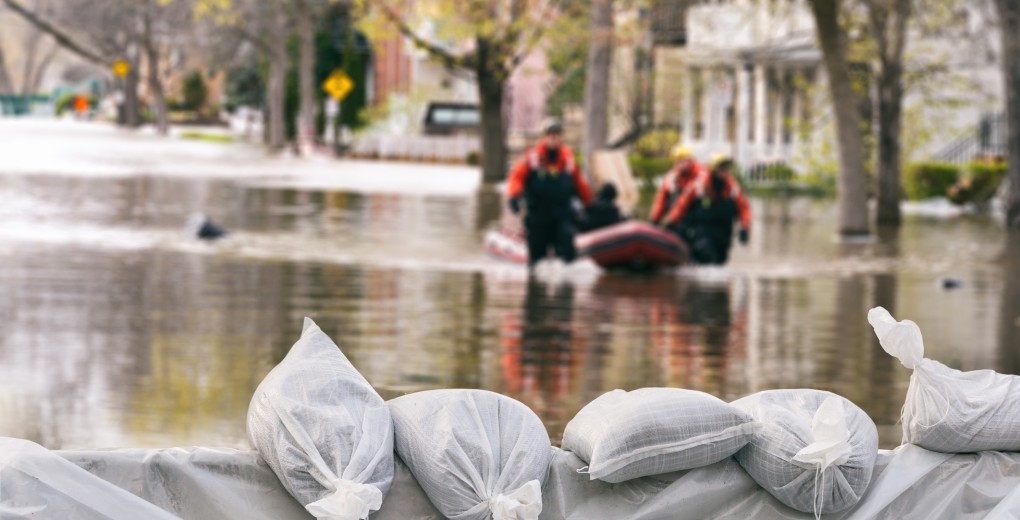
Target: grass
<point>208,137</point>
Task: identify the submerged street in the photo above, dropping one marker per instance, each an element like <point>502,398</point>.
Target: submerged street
<point>121,331</point>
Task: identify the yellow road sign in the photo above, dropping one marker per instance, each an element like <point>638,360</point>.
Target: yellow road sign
<point>338,84</point>
<point>121,68</point>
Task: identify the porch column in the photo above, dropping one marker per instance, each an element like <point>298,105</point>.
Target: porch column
<point>797,118</point>
<point>687,118</point>
<point>760,101</point>
<point>743,113</point>
<point>778,115</point>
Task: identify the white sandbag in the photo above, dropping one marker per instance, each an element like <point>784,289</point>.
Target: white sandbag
<point>477,454</point>
<point>815,451</point>
<point>650,431</point>
<point>948,410</point>
<point>323,430</point>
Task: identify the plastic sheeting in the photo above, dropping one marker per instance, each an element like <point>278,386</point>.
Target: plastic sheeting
<point>202,483</point>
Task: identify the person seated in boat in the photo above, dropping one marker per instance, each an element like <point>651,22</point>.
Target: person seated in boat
<point>603,212</point>
<point>685,170</point>
<point>547,180</point>
<point>704,214</point>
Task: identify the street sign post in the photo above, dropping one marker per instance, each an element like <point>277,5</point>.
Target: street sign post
<point>338,84</point>
<point>121,68</point>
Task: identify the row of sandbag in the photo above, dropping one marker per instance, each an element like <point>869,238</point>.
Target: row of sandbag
<point>330,438</point>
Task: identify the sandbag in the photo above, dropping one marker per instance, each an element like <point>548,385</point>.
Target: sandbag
<point>323,430</point>
<point>948,410</point>
<point>477,454</point>
<point>650,431</point>
<point>815,451</point>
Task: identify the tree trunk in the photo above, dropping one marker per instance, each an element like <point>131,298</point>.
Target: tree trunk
<point>889,27</point>
<point>132,114</point>
<point>306,73</point>
<point>852,198</point>
<point>155,82</point>
<point>276,86</point>
<point>276,95</point>
<point>5,79</point>
<point>31,48</point>
<point>596,85</point>
<point>40,70</point>
<point>890,109</point>
<point>491,76</point>
<point>1009,27</point>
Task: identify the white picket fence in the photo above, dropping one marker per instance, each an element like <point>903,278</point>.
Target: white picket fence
<point>417,148</point>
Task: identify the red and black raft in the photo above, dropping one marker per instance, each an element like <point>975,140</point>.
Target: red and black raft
<point>631,244</point>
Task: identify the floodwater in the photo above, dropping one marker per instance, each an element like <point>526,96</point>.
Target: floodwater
<point>119,331</point>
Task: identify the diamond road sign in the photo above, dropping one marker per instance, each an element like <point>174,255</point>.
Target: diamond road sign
<point>338,84</point>
<point>121,68</point>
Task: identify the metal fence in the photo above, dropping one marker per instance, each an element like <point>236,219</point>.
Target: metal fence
<point>987,139</point>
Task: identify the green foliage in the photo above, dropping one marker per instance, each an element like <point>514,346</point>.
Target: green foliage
<point>473,158</point>
<point>821,183</point>
<point>657,143</point>
<point>208,137</point>
<point>244,86</point>
<point>195,91</point>
<point>979,183</point>
<point>647,169</point>
<point>924,180</point>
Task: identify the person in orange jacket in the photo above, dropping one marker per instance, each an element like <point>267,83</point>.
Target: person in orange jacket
<point>704,214</point>
<point>685,171</point>
<point>548,180</point>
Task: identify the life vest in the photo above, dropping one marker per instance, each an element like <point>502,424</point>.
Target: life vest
<point>549,188</point>
<point>714,210</point>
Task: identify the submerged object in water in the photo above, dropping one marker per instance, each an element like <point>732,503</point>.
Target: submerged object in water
<point>201,226</point>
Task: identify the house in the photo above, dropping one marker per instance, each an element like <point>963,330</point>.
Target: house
<point>746,78</point>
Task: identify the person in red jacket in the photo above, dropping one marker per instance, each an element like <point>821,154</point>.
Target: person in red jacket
<point>547,180</point>
<point>685,171</point>
<point>704,214</point>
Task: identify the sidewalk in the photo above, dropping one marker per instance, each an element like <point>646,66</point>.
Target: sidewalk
<point>72,148</point>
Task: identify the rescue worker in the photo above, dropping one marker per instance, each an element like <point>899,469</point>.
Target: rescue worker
<point>604,211</point>
<point>704,214</point>
<point>547,179</point>
<point>685,171</point>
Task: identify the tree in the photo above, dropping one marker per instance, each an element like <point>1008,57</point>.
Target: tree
<point>852,197</point>
<point>264,24</point>
<point>1009,27</point>
<point>888,23</point>
<point>117,29</point>
<point>489,39</point>
<point>37,52</point>
<point>596,88</point>
<point>306,12</point>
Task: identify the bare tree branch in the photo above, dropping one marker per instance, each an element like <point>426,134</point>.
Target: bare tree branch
<point>40,69</point>
<point>468,61</point>
<point>59,35</point>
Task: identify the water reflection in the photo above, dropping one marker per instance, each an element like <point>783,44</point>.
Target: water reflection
<point>1009,316</point>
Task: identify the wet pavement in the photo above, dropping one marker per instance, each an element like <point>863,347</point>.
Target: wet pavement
<point>119,330</point>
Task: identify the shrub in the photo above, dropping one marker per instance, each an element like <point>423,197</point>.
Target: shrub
<point>924,180</point>
<point>979,183</point>
<point>195,91</point>
<point>656,143</point>
<point>646,169</point>
<point>473,158</point>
